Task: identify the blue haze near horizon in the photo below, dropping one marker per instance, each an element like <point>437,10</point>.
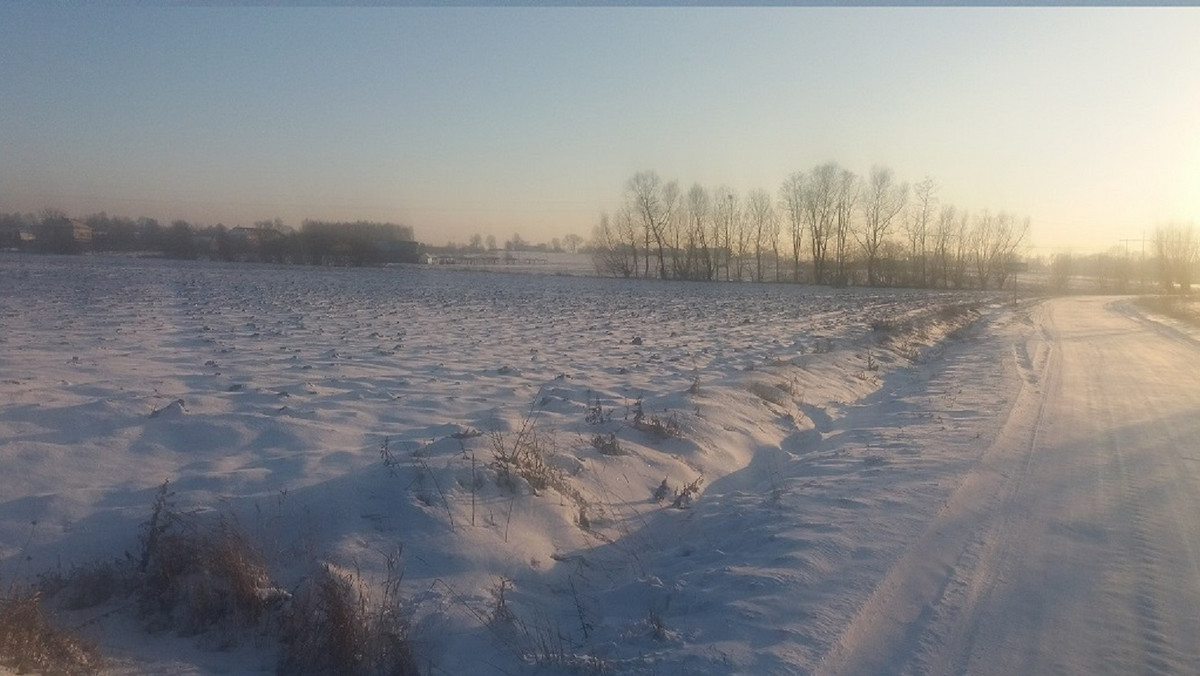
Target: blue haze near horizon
<point>495,120</point>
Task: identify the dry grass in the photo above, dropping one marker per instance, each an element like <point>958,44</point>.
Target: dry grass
<point>685,496</point>
<point>333,627</point>
<point>608,444</point>
<point>85,586</point>
<point>524,454</point>
<point>29,641</point>
<point>957,312</point>
<point>667,426</point>
<point>662,427</point>
<point>202,576</point>
<point>771,394</point>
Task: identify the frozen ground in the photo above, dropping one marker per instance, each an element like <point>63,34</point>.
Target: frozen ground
<point>885,480</point>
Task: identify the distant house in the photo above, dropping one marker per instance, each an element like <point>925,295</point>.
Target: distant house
<point>15,237</point>
<point>242,233</point>
<point>64,235</point>
<point>253,235</point>
<point>76,230</point>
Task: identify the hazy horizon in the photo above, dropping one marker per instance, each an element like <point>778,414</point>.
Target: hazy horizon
<point>497,121</point>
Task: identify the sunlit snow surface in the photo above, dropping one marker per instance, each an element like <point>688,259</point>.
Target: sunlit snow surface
<point>827,426</point>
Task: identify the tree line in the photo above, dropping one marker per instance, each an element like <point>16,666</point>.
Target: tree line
<point>478,243</point>
<point>826,226</point>
<point>315,242</point>
<point>1170,258</point>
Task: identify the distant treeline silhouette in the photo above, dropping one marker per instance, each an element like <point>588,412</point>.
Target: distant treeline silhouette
<point>315,243</point>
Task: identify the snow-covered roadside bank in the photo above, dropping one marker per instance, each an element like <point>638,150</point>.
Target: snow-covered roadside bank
<point>1178,317</point>
<point>502,440</point>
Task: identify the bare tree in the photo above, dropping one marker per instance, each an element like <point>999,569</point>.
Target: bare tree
<point>962,249</point>
<point>917,229</point>
<point>791,201</point>
<point>1060,273</point>
<point>944,233</point>
<point>726,215</point>
<point>571,241</point>
<point>764,224</point>
<point>743,241</point>
<point>641,201</point>
<point>652,203</point>
<point>994,241</point>
<point>980,235</point>
<point>1178,250</point>
<point>820,210</point>
<point>677,244</point>
<point>671,199</point>
<point>1007,237</point>
<point>611,253</point>
<point>517,243</point>
<point>627,231</point>
<point>883,200</point>
<point>845,204</point>
<point>699,217</point>
<point>1114,269</point>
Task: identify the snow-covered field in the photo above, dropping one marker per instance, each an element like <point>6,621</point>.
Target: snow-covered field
<point>353,417</point>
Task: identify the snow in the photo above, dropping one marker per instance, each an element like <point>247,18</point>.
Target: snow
<point>1072,548</point>
<point>825,431</point>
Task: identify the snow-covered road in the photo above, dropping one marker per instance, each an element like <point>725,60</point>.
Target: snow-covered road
<point>1074,546</point>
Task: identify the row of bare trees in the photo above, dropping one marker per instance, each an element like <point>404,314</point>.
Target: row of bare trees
<point>1177,249</point>
<point>1172,262</point>
<point>826,226</point>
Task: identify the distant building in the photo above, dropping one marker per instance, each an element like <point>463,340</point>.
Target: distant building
<point>73,229</point>
<point>15,237</point>
<point>254,235</point>
<point>63,235</point>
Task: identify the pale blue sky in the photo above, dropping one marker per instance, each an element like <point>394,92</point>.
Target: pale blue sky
<point>497,120</point>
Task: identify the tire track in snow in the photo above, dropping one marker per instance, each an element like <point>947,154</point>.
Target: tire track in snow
<point>1072,546</point>
<point>945,648</point>
<point>1145,557</point>
<point>1161,483</point>
<point>1135,557</point>
<point>922,596</point>
<point>1093,578</point>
